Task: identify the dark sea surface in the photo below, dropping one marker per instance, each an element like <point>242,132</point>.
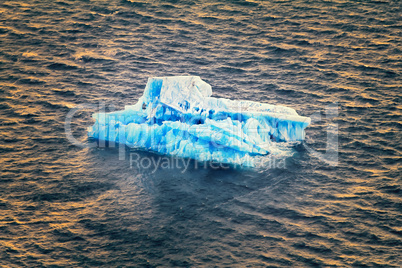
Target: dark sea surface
<point>66,206</point>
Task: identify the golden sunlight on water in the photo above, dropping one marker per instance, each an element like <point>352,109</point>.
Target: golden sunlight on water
<point>66,206</point>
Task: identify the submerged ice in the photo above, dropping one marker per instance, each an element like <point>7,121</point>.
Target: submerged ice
<point>177,116</point>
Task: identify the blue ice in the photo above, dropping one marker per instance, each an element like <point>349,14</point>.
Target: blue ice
<point>177,116</point>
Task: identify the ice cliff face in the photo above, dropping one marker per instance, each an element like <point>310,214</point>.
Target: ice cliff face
<point>177,116</point>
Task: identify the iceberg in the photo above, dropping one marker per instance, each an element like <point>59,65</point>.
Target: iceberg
<point>177,116</point>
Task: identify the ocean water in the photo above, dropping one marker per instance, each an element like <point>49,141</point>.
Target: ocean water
<point>66,206</point>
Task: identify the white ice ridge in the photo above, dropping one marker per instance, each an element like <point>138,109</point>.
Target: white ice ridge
<point>177,116</point>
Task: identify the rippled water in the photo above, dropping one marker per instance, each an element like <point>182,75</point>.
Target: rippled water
<point>63,205</point>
